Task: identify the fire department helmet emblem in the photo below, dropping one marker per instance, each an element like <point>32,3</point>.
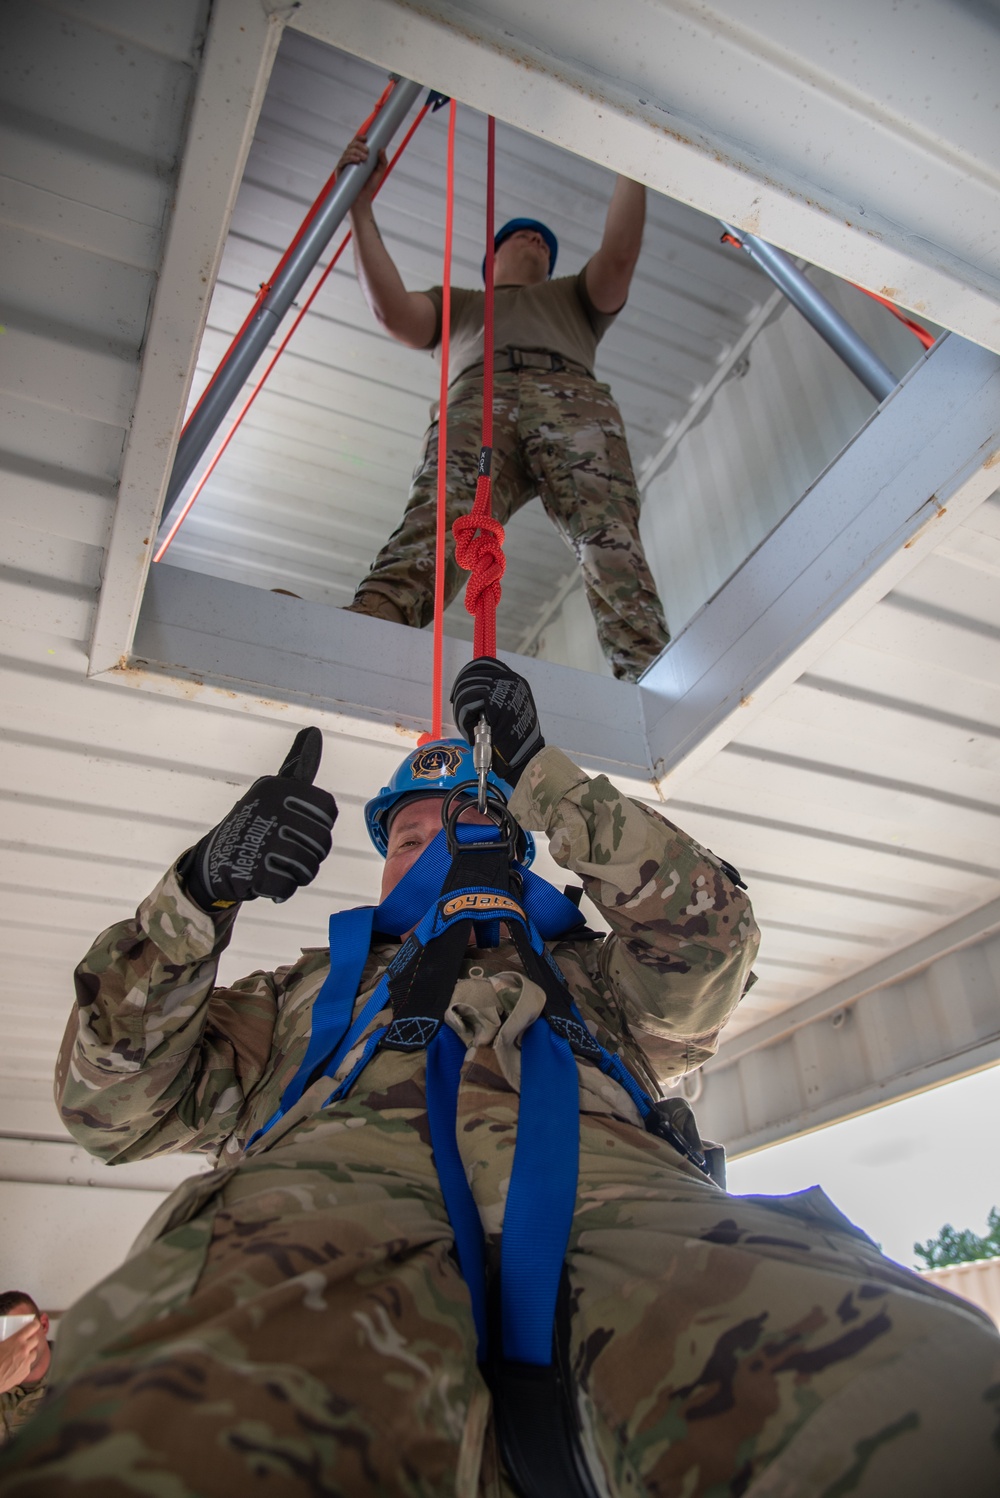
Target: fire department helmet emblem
<point>435,762</point>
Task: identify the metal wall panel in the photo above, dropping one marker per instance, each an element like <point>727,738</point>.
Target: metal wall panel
<point>940,1022</point>
<point>93,106</point>
<point>978,1281</point>
<point>787,409</point>
<point>769,433</point>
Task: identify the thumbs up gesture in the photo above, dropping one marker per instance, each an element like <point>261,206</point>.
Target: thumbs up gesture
<point>273,840</point>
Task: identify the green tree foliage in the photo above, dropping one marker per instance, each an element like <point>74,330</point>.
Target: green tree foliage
<point>951,1247</point>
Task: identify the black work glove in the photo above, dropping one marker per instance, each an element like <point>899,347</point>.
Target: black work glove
<point>273,840</point>
<point>487,686</point>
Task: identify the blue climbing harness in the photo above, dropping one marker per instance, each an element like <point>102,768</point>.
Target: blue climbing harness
<point>451,889</point>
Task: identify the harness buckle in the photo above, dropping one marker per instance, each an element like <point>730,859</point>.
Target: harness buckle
<point>460,798</point>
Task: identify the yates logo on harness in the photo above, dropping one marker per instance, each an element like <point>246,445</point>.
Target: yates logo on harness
<point>481,904</point>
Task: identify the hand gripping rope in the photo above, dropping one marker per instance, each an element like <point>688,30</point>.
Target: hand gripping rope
<point>434,102</point>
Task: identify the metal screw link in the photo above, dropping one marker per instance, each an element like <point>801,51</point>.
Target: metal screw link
<point>482,758</point>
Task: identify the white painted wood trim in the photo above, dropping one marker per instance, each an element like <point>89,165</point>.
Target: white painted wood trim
<point>239,51</point>
<point>203,637</point>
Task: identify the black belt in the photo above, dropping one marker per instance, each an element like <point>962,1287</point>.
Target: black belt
<point>517,358</point>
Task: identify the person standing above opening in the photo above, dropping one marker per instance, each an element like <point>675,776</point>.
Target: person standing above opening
<point>557,432</point>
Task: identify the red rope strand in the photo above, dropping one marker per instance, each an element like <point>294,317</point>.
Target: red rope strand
<point>478,536</point>
<point>437,685</point>
<point>265,286</point>
<point>917,329</point>
<point>165,543</point>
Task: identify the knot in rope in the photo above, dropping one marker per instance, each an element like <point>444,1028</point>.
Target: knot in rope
<point>479,549</point>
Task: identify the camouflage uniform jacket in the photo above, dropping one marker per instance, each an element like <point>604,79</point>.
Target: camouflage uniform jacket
<point>156,1058</point>
<point>17,1405</point>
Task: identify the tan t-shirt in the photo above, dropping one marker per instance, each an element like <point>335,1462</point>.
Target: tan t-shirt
<point>556,317</point>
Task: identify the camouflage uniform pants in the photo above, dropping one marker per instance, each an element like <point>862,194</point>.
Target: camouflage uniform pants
<point>557,435</point>
<point>302,1329</point>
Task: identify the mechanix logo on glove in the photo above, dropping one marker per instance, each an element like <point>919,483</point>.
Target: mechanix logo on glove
<point>272,842</point>
<point>234,852</point>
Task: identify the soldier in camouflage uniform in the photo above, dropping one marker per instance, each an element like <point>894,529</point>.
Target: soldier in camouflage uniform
<point>25,1357</point>
<point>557,432</point>
<point>295,1323</point>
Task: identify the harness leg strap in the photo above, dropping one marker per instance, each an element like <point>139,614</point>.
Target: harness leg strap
<point>537,1424</point>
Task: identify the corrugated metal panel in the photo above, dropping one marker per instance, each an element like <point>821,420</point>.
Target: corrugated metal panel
<point>768,434</point>
<point>93,105</point>
<point>317,478</point>
<point>841,1054</point>
<point>863,806</point>
<point>787,409</point>
<point>978,1282</point>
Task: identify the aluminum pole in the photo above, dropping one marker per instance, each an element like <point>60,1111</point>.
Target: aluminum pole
<point>230,378</point>
<point>862,361</point>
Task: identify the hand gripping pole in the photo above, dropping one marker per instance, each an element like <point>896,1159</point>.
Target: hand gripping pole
<point>287,284</point>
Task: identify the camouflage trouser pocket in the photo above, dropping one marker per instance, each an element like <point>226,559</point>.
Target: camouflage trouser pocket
<point>160,1273</point>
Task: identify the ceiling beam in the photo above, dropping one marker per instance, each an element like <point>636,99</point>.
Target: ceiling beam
<point>228,92</point>
<point>800,125</point>
<point>887,1038</point>
<point>217,640</point>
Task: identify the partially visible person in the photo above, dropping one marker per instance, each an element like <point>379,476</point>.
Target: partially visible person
<point>24,1363</point>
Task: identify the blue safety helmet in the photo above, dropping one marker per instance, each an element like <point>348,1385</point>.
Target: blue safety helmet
<point>433,769</point>
<point>512,226</point>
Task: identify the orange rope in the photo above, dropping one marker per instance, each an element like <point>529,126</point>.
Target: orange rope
<point>165,543</point>
<point>478,536</point>
<point>265,286</point>
<point>437,686</point>
<point>917,329</point>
